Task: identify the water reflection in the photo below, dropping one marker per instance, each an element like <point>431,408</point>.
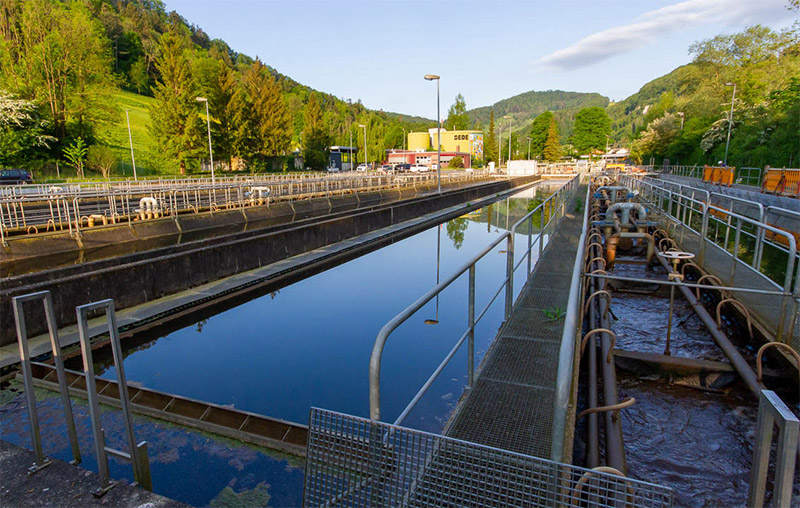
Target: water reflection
<point>309,345</point>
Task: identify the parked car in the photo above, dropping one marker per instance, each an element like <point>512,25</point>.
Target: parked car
<point>332,169</point>
<point>363,167</point>
<point>402,167</point>
<point>15,176</point>
<point>387,168</point>
<point>419,168</point>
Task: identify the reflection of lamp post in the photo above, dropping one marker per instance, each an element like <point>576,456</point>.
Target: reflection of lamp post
<point>210,153</point>
<point>730,121</point>
<point>438,255</point>
<point>431,77</point>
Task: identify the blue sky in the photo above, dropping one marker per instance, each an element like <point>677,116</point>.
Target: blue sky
<point>379,50</point>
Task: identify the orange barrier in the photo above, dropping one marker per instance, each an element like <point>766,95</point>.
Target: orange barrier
<point>719,175</point>
<point>782,182</point>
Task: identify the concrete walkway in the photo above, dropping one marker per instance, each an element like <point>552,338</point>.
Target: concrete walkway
<point>64,485</point>
<point>511,404</point>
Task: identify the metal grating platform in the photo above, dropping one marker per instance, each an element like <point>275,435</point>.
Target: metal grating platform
<point>358,462</point>
<point>511,405</point>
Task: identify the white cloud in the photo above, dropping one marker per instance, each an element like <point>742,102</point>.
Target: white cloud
<point>651,25</point>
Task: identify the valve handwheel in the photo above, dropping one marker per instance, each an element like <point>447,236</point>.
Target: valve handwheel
<point>676,255</point>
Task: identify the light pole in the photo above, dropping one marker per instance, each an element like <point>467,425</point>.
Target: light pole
<point>529,148</point>
<point>350,158</point>
<point>681,114</point>
<point>499,145</point>
<point>210,153</point>
<point>130,140</point>
<point>730,122</point>
<point>365,142</point>
<point>431,77</point>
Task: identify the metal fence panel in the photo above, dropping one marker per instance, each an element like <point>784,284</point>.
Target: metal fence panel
<point>354,461</point>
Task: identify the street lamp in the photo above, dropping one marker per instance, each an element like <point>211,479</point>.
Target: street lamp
<point>210,153</point>
<point>529,148</point>
<point>730,121</point>
<point>365,142</point>
<point>431,77</point>
<point>130,140</point>
<point>509,139</point>
<point>681,114</point>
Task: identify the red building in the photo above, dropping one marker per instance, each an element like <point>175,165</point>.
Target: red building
<point>427,158</point>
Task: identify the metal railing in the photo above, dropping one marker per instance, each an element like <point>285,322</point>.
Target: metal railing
<point>771,411</point>
<point>36,208</point>
<point>744,175</point>
<point>556,204</point>
<point>573,321</point>
<point>354,461</point>
<point>741,244</point>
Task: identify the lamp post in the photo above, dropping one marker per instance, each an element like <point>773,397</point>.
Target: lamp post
<point>130,140</point>
<point>529,148</point>
<point>350,157</point>
<point>365,142</point>
<point>681,114</point>
<point>730,121</point>
<point>499,145</point>
<point>431,77</point>
<point>208,123</point>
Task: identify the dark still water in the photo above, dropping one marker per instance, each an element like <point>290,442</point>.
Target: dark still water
<point>309,343</point>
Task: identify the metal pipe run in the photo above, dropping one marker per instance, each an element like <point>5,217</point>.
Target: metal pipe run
<point>736,359</point>
<point>613,241</point>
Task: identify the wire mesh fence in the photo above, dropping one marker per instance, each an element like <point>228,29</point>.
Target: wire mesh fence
<point>353,461</point>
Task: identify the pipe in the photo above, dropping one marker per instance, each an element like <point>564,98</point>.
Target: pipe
<point>736,359</point>
<point>611,249</point>
<point>624,210</point>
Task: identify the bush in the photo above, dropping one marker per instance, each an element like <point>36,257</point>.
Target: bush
<point>456,163</point>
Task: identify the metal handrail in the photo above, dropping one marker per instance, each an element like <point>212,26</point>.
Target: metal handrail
<point>469,266</point>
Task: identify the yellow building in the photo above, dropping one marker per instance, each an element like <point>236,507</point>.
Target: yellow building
<point>452,141</point>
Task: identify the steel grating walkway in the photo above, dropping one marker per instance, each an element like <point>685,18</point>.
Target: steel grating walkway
<point>511,404</point>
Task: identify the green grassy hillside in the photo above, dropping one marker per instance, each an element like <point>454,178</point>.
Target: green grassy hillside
<point>115,134</point>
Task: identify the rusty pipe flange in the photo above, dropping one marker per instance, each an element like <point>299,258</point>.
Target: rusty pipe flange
<point>714,279</point>
<point>576,492</point>
<point>740,306</point>
<point>596,331</point>
<point>602,409</point>
<point>601,292</point>
<point>779,345</point>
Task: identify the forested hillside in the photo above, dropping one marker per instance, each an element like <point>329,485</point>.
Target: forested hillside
<point>69,69</point>
<point>523,108</point>
<point>684,115</point>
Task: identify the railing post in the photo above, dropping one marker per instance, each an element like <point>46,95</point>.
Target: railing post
<point>509,274</point>
<point>471,323</point>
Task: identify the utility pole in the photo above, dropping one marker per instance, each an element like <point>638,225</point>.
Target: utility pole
<point>730,121</point>
<point>130,140</point>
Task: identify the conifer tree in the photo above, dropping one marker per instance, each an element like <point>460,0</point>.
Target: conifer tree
<point>175,119</point>
<point>316,136</point>
<point>552,148</point>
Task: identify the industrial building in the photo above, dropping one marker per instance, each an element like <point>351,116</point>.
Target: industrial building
<point>423,148</point>
<point>342,157</point>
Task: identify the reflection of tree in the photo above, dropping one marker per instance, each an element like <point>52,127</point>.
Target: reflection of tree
<point>200,325</point>
<point>455,231</point>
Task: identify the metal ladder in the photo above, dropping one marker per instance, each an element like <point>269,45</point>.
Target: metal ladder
<point>137,453</point>
<point>25,360</point>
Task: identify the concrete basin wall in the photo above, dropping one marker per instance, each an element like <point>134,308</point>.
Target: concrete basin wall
<point>137,278</point>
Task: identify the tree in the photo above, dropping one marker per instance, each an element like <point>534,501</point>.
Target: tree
<point>591,127</point>
<point>76,155</point>
<point>490,143</point>
<point>538,135</point>
<point>217,82</point>
<point>456,163</point>
<point>261,120</point>
<point>457,117</point>
<point>316,135</point>
<point>101,158</point>
<point>552,147</point>
<point>656,139</point>
<point>175,122</point>
<point>22,131</point>
<point>56,54</point>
